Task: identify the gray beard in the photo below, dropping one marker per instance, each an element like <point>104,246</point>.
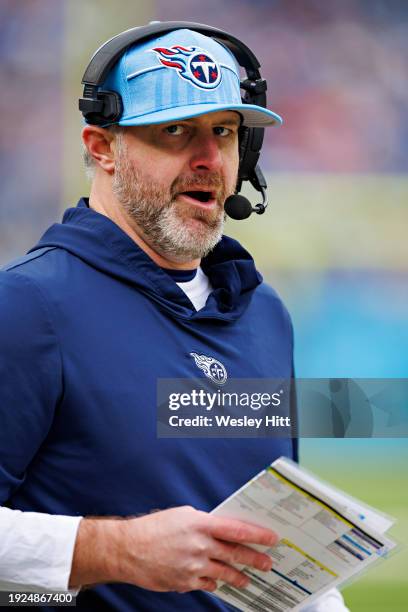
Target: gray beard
<point>170,225</point>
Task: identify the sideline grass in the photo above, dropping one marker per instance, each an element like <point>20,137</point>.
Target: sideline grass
<point>375,472</point>
<point>382,597</point>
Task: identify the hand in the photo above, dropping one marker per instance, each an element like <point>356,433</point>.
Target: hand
<point>183,549</point>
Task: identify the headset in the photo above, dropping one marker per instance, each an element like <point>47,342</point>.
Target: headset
<point>100,107</point>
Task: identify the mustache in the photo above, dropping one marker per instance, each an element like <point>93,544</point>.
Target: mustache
<point>209,182</point>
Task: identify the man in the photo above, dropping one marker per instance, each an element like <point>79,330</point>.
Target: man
<point>132,283</point>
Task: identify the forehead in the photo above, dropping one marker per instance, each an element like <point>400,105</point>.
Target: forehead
<point>220,118</point>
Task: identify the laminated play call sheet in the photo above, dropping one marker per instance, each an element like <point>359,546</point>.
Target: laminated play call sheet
<point>326,537</point>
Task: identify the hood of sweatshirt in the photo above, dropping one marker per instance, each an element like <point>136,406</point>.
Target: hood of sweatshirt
<point>103,245</point>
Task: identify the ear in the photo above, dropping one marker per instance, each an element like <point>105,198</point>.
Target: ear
<point>98,141</point>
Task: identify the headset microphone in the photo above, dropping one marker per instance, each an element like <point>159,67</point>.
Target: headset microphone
<point>238,207</point>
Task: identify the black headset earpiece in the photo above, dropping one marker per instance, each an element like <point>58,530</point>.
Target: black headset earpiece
<point>105,107</point>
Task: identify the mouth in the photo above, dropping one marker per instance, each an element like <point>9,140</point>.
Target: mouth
<point>200,197</point>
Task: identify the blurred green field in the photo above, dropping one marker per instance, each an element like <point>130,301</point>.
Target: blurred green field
<point>374,471</point>
<point>380,596</point>
<point>323,221</point>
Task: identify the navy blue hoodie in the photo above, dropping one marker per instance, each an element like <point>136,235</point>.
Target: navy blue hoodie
<point>88,324</point>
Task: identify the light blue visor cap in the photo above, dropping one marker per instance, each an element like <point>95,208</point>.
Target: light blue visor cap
<point>178,76</point>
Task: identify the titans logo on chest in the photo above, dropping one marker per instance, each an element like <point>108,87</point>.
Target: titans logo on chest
<point>212,368</point>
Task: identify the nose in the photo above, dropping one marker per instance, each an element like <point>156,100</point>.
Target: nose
<point>206,154</point>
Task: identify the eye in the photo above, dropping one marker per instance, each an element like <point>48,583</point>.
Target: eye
<point>175,129</point>
<point>219,130</point>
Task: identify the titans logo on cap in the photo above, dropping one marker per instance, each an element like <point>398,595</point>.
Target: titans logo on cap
<point>192,64</point>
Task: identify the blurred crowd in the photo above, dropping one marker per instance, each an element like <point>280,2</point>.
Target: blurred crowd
<point>336,71</point>
<point>31,115</point>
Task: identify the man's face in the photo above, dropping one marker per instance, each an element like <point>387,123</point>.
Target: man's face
<point>172,180</point>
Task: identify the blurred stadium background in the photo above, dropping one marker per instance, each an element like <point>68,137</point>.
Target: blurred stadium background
<point>334,240</point>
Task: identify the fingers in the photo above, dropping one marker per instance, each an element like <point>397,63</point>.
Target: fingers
<point>226,573</point>
<point>233,530</point>
<point>238,554</point>
<point>207,584</point>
